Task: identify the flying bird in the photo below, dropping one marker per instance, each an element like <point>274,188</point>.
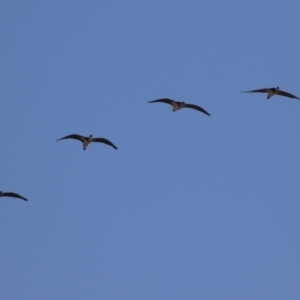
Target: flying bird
<point>14,195</point>
<point>271,92</point>
<point>178,105</point>
<point>87,140</point>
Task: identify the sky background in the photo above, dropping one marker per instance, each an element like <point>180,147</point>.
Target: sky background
<point>189,206</point>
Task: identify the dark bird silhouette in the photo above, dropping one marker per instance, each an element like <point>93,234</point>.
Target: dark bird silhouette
<point>271,92</point>
<point>178,105</point>
<point>14,195</point>
<point>87,140</point>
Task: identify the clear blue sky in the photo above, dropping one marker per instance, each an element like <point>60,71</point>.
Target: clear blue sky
<point>190,206</point>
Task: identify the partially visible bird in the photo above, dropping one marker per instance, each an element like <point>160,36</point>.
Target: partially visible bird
<point>178,105</point>
<point>14,195</point>
<point>271,92</point>
<point>87,140</point>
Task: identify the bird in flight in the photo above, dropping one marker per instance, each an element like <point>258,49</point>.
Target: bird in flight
<point>178,105</point>
<point>271,92</point>
<point>87,140</point>
<point>14,195</point>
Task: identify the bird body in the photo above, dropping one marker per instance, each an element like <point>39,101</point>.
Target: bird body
<point>271,92</point>
<point>178,105</point>
<point>87,140</point>
<point>10,194</point>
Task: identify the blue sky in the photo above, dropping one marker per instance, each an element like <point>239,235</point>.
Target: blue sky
<point>190,206</point>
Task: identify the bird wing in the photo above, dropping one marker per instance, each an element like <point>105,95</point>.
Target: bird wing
<point>73,136</point>
<point>197,108</point>
<point>105,141</point>
<point>13,195</point>
<point>163,100</point>
<point>266,90</point>
<point>282,93</point>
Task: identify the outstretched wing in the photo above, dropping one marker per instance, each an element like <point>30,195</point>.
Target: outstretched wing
<point>163,100</point>
<point>13,195</point>
<point>282,93</point>
<point>73,136</point>
<point>266,90</point>
<point>105,141</point>
<point>197,108</point>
